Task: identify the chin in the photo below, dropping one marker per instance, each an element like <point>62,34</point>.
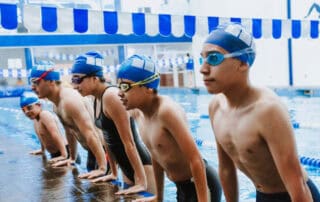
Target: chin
<point>213,91</point>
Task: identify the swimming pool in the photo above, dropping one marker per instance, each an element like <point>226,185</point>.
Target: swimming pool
<point>304,112</point>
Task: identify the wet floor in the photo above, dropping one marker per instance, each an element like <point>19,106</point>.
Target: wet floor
<point>28,178</point>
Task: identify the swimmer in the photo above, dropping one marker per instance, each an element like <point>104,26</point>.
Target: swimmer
<point>45,126</point>
<point>74,112</point>
<point>164,130</point>
<point>119,130</point>
<point>251,125</point>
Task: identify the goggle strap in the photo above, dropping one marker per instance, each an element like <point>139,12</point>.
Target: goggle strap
<point>147,80</point>
<point>239,53</point>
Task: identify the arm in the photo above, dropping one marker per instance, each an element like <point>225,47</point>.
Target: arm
<point>228,176</point>
<point>81,117</point>
<point>114,109</point>
<point>72,142</point>
<point>277,131</point>
<point>114,171</point>
<point>227,170</point>
<point>51,125</point>
<point>174,120</point>
<point>39,151</point>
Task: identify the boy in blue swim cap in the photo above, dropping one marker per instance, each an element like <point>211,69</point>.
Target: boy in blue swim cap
<point>164,130</point>
<point>75,114</point>
<point>46,128</point>
<point>251,126</point>
<point>121,137</point>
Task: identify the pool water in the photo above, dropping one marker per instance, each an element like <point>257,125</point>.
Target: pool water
<point>303,110</point>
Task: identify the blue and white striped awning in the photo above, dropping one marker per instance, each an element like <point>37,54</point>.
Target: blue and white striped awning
<point>48,20</point>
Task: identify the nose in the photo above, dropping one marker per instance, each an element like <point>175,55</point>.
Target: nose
<point>120,94</point>
<point>205,68</point>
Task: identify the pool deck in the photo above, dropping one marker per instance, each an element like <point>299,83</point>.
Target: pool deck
<point>27,178</point>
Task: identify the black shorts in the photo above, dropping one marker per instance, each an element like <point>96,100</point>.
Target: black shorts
<point>53,155</point>
<point>186,190</point>
<point>285,197</point>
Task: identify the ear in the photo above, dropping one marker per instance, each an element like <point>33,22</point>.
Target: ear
<point>149,90</point>
<point>243,66</point>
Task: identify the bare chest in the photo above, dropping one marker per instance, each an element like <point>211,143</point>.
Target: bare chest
<point>238,134</point>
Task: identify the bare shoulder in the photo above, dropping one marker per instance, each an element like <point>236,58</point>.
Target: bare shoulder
<point>46,115</point>
<point>169,108</point>
<point>215,103</point>
<point>70,99</point>
<point>269,103</point>
<point>111,94</point>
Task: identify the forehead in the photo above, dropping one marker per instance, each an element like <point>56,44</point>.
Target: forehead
<point>206,48</point>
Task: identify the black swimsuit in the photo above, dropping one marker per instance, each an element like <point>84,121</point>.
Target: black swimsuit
<point>115,144</point>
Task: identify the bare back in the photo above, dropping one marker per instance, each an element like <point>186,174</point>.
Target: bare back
<point>49,139</point>
<point>67,96</point>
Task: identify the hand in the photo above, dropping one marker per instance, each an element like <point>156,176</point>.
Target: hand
<point>132,190</point>
<point>36,152</point>
<point>105,178</point>
<point>151,198</point>
<point>56,159</point>
<point>66,162</point>
<point>93,174</point>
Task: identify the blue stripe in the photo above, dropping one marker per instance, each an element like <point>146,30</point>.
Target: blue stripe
<point>9,15</point>
<point>296,28</point>
<point>110,22</point>
<point>276,28</point>
<point>189,25</point>
<point>138,23</point>
<point>164,24</point>
<point>290,47</point>
<point>213,22</point>
<point>237,20</point>
<point>84,39</point>
<point>49,19</point>
<point>257,28</point>
<point>314,29</point>
<point>80,18</point>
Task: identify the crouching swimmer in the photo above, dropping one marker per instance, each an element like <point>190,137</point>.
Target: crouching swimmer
<point>164,130</point>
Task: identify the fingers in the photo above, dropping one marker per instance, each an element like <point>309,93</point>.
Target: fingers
<point>92,174</point>
<point>152,198</point>
<point>101,179</point>
<point>54,160</point>
<point>61,163</point>
<point>131,190</point>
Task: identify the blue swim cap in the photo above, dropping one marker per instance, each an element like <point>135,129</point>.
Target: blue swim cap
<point>233,37</point>
<point>89,63</point>
<point>28,98</point>
<point>138,68</point>
<point>45,71</point>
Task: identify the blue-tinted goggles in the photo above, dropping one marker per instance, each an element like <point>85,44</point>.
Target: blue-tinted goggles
<point>215,58</point>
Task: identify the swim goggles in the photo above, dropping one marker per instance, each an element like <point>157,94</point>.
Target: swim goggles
<point>125,86</point>
<point>27,108</point>
<point>36,81</point>
<point>77,79</point>
<point>215,58</point>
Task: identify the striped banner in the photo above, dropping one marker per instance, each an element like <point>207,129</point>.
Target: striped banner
<point>39,19</point>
